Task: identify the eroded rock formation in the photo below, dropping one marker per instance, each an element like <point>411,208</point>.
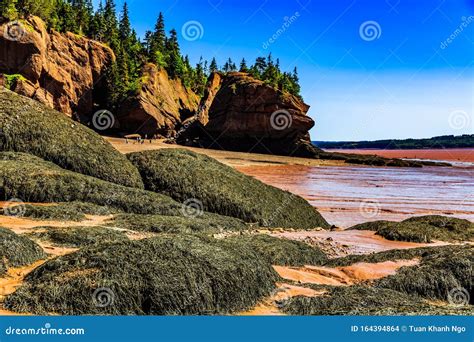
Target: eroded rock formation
<point>160,105</point>
<point>239,112</point>
<point>63,71</point>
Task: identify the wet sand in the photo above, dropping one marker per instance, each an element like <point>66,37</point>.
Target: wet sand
<point>230,158</point>
<point>454,154</point>
<point>357,241</point>
<point>348,195</point>
<point>344,275</point>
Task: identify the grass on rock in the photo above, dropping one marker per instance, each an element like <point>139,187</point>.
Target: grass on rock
<point>166,275</point>
<point>28,126</point>
<point>423,229</point>
<point>17,250</point>
<point>185,175</point>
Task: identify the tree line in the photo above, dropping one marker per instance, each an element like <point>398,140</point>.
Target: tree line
<point>158,46</point>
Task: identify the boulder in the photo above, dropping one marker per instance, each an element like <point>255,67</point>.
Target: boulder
<point>241,113</point>
<point>62,70</point>
<point>28,126</point>
<point>200,181</point>
<point>165,275</point>
<point>160,105</point>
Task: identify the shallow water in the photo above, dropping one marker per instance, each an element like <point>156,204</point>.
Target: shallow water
<point>347,195</point>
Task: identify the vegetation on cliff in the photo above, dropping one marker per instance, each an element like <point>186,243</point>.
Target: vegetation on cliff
<point>422,229</point>
<point>165,275</point>
<point>28,126</point>
<point>158,47</point>
<point>16,250</point>
<point>190,177</point>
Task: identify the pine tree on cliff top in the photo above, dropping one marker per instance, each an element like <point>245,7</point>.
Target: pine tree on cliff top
<point>213,66</point>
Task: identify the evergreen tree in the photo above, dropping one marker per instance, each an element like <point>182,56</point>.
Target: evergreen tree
<point>8,9</point>
<point>97,27</point>
<point>158,39</point>
<point>213,66</point>
<point>243,66</point>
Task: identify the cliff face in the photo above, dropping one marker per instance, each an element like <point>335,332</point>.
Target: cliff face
<point>241,113</point>
<point>160,105</point>
<point>63,71</point>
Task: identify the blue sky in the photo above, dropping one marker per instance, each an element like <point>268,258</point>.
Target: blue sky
<point>405,80</point>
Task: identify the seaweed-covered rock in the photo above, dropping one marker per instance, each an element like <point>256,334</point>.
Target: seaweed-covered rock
<point>17,250</point>
<point>185,176</point>
<point>80,236</point>
<point>28,126</point>
<point>278,251</point>
<point>204,223</point>
<point>441,269</point>
<point>67,211</point>
<point>365,300</point>
<point>165,275</point>
<point>423,229</point>
<point>32,179</point>
<point>440,272</point>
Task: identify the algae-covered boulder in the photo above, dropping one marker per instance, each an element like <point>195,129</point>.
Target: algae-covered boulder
<point>442,272</point>
<point>185,176</point>
<point>423,229</point>
<point>28,126</point>
<point>165,275</point>
<point>279,251</point>
<point>67,211</point>
<point>79,236</point>
<point>17,250</point>
<point>366,300</point>
<point>204,223</point>
<point>32,179</point>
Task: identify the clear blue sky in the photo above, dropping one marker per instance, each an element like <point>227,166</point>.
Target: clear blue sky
<point>404,81</point>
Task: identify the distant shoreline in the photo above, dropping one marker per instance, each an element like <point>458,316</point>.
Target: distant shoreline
<point>464,155</point>
<point>439,142</point>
